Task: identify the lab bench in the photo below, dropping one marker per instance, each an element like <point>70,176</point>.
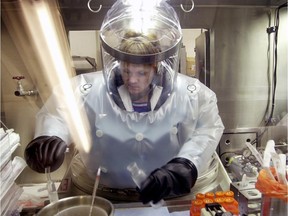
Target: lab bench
<point>222,182</point>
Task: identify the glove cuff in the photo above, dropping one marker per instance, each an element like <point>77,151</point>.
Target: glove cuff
<point>189,165</point>
<point>46,137</point>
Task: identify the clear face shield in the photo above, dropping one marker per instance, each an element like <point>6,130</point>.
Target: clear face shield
<point>140,44</point>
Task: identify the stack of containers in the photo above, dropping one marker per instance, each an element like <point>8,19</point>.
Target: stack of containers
<point>10,169</point>
<point>224,198</point>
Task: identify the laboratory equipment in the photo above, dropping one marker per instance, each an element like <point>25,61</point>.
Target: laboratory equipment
<point>51,187</point>
<point>78,205</point>
<point>138,176</point>
<point>20,91</point>
<point>97,180</point>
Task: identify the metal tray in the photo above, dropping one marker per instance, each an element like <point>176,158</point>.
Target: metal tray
<point>78,206</point>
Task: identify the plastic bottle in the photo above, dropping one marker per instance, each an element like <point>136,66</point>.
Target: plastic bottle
<point>138,176</point>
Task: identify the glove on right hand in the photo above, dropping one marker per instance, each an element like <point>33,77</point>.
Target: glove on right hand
<point>45,151</point>
<point>175,178</point>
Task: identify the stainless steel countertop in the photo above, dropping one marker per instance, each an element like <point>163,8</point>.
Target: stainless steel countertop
<point>176,204</point>
<point>67,189</point>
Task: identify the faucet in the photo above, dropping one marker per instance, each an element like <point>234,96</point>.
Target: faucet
<point>20,90</point>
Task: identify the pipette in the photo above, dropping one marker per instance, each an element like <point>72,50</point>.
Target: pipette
<point>97,180</point>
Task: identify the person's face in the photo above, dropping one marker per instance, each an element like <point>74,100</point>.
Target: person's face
<point>137,77</point>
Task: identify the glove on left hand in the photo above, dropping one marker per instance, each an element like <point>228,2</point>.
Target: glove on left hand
<point>177,177</point>
<point>45,151</point>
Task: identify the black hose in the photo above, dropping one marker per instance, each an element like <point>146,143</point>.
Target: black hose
<point>277,22</point>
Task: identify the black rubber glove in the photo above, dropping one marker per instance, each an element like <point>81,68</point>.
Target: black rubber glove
<point>177,177</point>
<point>45,151</point>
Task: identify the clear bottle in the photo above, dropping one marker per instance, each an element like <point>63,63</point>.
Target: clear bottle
<point>52,191</point>
<point>138,176</point>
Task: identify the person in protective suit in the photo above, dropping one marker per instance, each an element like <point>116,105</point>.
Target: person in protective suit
<point>142,112</point>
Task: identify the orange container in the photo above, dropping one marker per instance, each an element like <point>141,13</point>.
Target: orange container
<point>200,196</point>
<point>229,194</point>
<point>219,200</point>
<point>219,194</point>
<point>196,207</point>
<point>209,195</point>
<point>208,200</point>
<point>231,205</point>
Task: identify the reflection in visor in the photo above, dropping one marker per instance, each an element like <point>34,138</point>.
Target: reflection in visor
<point>143,19</point>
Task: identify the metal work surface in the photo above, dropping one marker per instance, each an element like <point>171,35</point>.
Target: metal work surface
<point>220,182</point>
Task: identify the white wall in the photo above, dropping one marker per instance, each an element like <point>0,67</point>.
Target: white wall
<point>86,43</point>
<point>189,37</point>
<point>83,43</point>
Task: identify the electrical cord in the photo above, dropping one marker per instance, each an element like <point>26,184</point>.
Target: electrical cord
<point>275,29</point>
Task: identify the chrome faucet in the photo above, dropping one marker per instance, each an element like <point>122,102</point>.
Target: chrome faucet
<point>20,90</point>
